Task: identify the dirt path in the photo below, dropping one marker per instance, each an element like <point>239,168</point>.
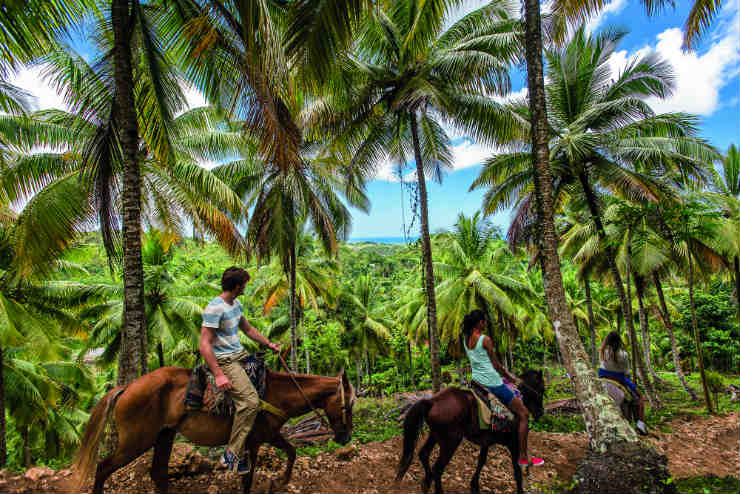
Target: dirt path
<point>692,447</point>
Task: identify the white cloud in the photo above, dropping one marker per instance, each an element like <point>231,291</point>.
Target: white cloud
<point>45,96</point>
<point>699,76</point>
<point>613,7</point>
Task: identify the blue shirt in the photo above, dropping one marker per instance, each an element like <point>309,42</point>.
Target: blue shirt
<point>224,320</point>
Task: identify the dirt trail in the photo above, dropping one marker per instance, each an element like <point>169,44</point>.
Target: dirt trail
<point>693,447</point>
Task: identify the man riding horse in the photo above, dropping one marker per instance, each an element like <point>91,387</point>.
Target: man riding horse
<point>222,351</point>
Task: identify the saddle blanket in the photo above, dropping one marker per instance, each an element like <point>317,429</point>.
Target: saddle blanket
<point>491,413</point>
<point>203,394</point>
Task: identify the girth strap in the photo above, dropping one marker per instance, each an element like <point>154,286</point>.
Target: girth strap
<point>267,407</point>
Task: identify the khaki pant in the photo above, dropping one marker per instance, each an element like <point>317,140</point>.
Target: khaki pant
<point>245,399</point>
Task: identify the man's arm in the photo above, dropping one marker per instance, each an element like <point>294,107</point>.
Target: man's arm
<point>206,350</point>
<point>488,345</point>
<point>254,334</point>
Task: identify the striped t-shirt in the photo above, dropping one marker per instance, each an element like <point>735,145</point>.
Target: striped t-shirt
<point>224,318</point>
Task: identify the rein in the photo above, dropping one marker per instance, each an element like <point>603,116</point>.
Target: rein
<point>300,390</point>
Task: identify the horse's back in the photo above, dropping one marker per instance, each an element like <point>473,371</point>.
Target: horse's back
<point>451,404</point>
<point>157,397</point>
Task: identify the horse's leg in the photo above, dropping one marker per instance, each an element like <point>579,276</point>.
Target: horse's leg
<point>513,447</point>
<point>247,479</point>
<point>447,447</point>
<point>482,456</point>
<point>281,443</point>
<point>424,453</point>
<point>129,448</point>
<point>161,458</point>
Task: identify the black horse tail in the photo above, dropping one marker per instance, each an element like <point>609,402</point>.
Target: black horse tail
<point>411,428</point>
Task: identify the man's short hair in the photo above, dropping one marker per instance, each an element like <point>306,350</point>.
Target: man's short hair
<point>233,277</point>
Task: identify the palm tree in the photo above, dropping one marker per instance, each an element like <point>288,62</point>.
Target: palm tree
<point>701,15</point>
<point>607,137</point>
<point>314,281</point>
<point>366,320</point>
<point>725,195</point>
<point>477,271</point>
<point>693,233</point>
<point>408,75</point>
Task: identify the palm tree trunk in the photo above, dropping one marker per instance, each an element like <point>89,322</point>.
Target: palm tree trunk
<point>26,445</point>
<point>737,284</point>
<point>160,353</point>
<point>411,366</point>
<point>591,326</point>
<point>427,254</point>
<point>645,329</point>
<point>695,325</point>
<point>358,362</point>
<point>305,349</point>
<point>293,321</point>
<point>3,445</point>
<point>669,327</point>
<point>625,298</point>
<point>604,422</point>
<point>133,333</point>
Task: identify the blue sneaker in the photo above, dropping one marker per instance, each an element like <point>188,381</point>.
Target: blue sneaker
<point>234,463</point>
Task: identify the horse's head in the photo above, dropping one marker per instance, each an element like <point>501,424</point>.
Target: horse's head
<point>533,392</point>
<point>339,409</point>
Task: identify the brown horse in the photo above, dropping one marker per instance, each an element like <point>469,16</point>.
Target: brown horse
<point>451,416</point>
<point>151,410</point>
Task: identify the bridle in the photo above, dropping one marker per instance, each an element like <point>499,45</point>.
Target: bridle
<point>321,418</point>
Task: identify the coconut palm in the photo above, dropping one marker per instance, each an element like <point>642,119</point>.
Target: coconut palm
<point>477,271</point>
<point>607,137</point>
<point>725,195</point>
<point>366,322</point>
<point>693,231</point>
<point>315,283</point>
<point>407,75</point>
<point>173,315</point>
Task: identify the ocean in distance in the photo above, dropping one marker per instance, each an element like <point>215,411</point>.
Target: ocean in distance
<point>381,240</point>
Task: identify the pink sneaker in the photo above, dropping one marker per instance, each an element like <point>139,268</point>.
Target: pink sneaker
<point>533,462</point>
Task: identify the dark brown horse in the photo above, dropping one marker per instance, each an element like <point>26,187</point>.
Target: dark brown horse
<point>450,416</point>
<point>151,410</point>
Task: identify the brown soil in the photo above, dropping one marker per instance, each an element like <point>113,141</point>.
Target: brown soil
<point>693,448</point>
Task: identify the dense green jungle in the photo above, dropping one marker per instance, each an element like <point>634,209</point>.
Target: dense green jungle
<point>359,311</point>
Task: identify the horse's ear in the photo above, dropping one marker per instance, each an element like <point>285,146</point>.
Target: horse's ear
<point>341,375</point>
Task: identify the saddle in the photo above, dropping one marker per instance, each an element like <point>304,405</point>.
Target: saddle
<point>628,396</point>
<point>202,394</point>
<point>490,412</point>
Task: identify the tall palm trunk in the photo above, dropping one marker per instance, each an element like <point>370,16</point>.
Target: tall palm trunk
<point>305,350</point>
<point>26,444</point>
<point>3,445</point>
<point>591,326</point>
<point>645,329</point>
<point>411,366</point>
<point>358,364</point>
<point>604,423</point>
<point>625,299</point>
<point>737,284</point>
<point>160,353</point>
<point>133,332</point>
<point>293,318</point>
<point>699,353</point>
<point>427,255</point>
<point>669,327</point>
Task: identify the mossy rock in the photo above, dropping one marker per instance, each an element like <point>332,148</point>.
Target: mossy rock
<point>625,468</point>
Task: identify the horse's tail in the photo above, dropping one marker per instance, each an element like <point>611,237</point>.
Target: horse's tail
<point>87,456</point>
<point>411,428</point>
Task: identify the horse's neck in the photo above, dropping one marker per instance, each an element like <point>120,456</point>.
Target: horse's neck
<point>283,392</point>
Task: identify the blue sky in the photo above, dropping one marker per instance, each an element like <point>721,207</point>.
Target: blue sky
<point>708,84</point>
